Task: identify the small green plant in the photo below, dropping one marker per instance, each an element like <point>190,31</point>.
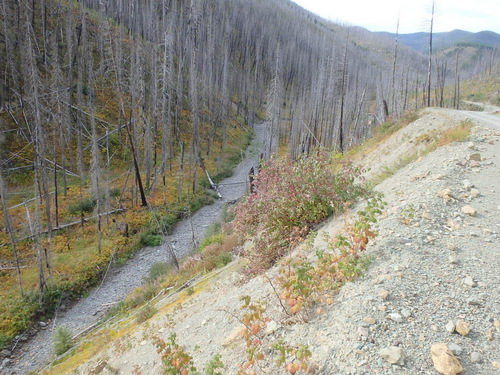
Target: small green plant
<point>62,340</point>
<point>115,192</point>
<point>149,239</point>
<point>302,284</point>
<point>175,359</point>
<point>407,214</point>
<point>297,282</point>
<point>86,205</point>
<point>214,365</point>
<point>190,291</point>
<point>208,240</point>
<point>158,270</point>
<point>213,229</point>
<point>146,313</point>
<point>293,359</point>
<point>255,321</point>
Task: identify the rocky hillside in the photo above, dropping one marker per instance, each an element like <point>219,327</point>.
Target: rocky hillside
<point>433,279</point>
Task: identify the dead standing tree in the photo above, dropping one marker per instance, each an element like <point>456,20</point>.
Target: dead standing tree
<point>429,71</point>
<point>8,228</point>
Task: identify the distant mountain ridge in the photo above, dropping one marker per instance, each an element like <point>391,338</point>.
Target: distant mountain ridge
<point>420,41</point>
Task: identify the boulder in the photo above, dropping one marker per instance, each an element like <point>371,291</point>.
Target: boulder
<point>444,360</point>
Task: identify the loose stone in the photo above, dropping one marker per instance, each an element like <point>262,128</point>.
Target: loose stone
<point>474,193</point>
<point>467,184</point>
<point>462,327</point>
<point>476,357</point>
<point>468,280</point>
<point>383,293</point>
<point>450,326</point>
<point>468,210</point>
<point>444,360</point>
<point>455,349</point>
<point>396,317</point>
<point>393,355</point>
<point>370,320</point>
<point>475,157</point>
<point>489,334</point>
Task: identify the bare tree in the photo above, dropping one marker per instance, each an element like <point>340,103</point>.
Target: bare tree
<point>429,70</point>
<point>273,109</point>
<point>8,228</point>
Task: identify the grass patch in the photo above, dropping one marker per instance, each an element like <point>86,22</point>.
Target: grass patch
<point>158,271</point>
<point>62,340</point>
<point>86,205</point>
<point>146,313</point>
<point>456,134</point>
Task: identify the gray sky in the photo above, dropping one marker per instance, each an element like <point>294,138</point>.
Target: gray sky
<point>414,15</point>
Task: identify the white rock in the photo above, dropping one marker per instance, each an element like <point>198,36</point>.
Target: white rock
<point>476,357</point>
<point>406,313</point>
<point>468,210</point>
<point>455,349</point>
<point>474,193</point>
<point>396,317</point>
<point>469,281</point>
<point>450,326</point>
<point>271,327</point>
<point>467,184</point>
<point>394,355</point>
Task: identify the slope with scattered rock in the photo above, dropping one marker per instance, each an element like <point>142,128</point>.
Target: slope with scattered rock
<point>434,279</point>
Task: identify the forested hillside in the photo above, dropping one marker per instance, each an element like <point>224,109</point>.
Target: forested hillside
<point>114,113</point>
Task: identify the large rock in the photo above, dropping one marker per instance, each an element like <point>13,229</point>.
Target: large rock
<point>393,355</point>
<point>444,360</point>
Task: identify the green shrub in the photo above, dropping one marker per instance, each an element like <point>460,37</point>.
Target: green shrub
<point>149,239</point>
<point>213,229</point>
<point>141,295</point>
<point>62,340</point>
<point>146,313</point>
<point>224,259</point>
<point>200,201</point>
<point>115,193</point>
<point>157,270</point>
<point>85,205</point>
<point>226,215</point>
<point>216,238</point>
<point>167,223</point>
<point>213,365</point>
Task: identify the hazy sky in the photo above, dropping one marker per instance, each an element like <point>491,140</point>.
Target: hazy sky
<point>414,15</point>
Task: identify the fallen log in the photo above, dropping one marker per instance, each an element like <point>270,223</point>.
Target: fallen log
<point>212,184</point>
<point>64,226</point>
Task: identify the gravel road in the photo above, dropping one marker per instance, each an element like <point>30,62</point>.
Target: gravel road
<point>34,352</point>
